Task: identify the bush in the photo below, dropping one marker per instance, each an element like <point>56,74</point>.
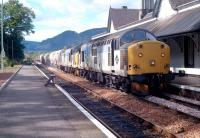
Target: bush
<point>12,65</point>
<point>8,62</point>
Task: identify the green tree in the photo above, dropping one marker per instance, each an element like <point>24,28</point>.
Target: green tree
<point>17,23</point>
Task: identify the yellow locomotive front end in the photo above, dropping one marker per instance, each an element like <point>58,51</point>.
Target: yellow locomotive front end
<point>148,61</point>
<point>148,57</point>
<point>149,64</point>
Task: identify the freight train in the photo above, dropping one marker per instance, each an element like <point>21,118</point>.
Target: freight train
<point>119,59</point>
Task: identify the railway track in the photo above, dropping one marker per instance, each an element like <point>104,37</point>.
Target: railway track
<point>183,100</point>
<point>186,105</point>
<point>156,126</point>
<point>119,121</point>
<point>184,91</point>
<point>180,104</point>
<point>179,100</point>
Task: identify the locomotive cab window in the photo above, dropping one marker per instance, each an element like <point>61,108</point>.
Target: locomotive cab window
<point>136,35</point>
<point>149,36</point>
<point>139,36</point>
<point>127,38</point>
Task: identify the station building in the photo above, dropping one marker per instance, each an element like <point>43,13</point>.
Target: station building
<point>175,22</point>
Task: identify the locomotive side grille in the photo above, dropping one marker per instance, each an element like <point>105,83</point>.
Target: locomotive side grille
<point>109,59</point>
<point>123,59</point>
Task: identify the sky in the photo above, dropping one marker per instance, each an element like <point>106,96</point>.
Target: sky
<point>56,16</point>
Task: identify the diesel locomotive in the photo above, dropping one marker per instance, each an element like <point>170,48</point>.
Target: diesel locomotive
<point>120,59</point>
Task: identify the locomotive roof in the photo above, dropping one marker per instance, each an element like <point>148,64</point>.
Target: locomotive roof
<point>120,34</point>
<point>76,48</point>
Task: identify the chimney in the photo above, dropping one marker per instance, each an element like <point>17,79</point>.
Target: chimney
<point>140,14</point>
<point>147,7</point>
<point>124,7</point>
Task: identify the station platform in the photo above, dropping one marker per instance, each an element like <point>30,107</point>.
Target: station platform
<point>189,82</point>
<point>29,109</point>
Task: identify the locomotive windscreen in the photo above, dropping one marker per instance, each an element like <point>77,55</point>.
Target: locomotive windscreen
<point>136,35</point>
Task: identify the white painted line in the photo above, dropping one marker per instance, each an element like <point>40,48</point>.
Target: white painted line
<point>87,114</point>
<point>186,87</point>
<point>107,132</point>
<point>41,72</point>
<point>9,79</point>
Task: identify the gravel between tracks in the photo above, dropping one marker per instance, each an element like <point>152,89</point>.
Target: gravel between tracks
<point>176,123</point>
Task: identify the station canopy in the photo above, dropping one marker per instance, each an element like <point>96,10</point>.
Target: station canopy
<point>183,22</point>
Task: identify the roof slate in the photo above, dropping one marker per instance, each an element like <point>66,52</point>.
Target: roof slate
<point>121,17</point>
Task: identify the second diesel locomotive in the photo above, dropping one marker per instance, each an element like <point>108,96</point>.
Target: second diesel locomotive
<point>119,59</point>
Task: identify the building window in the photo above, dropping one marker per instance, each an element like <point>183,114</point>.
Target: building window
<point>94,52</point>
<point>109,57</point>
<point>95,60</point>
<point>113,46</point>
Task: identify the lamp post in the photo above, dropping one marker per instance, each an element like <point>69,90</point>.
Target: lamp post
<point>2,47</point>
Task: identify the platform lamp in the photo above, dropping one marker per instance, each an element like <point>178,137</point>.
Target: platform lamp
<point>2,46</point>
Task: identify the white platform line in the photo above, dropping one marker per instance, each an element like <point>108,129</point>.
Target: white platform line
<point>107,132</point>
<point>41,72</point>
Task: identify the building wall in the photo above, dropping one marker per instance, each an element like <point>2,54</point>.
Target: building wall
<point>176,45</point>
<point>177,56</point>
<point>112,28</point>
<point>197,58</point>
<point>166,9</point>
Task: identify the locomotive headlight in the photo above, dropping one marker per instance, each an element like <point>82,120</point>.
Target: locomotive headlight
<point>140,46</point>
<point>140,55</point>
<point>162,46</point>
<point>162,54</point>
<point>152,62</point>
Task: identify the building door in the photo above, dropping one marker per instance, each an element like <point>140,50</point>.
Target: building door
<point>188,52</point>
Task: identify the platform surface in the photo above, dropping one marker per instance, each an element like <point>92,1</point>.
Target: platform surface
<point>29,109</point>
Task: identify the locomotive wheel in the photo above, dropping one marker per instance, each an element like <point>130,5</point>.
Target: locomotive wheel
<point>107,81</point>
<point>139,89</point>
<point>87,75</point>
<point>103,81</point>
<point>117,83</point>
<point>154,84</point>
<point>126,85</point>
